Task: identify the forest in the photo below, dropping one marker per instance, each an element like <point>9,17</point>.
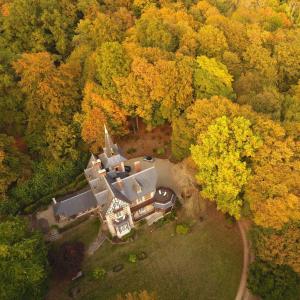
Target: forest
<point>225,74</point>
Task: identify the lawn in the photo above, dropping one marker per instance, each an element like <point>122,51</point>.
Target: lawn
<point>204,264</point>
<point>85,232</point>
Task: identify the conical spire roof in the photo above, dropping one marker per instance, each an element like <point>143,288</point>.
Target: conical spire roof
<point>109,145</point>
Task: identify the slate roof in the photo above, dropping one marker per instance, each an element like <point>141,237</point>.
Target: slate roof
<point>76,204</point>
<point>112,161</point>
<point>146,179</point>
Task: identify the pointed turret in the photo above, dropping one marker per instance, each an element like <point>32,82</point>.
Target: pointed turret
<point>109,145</point>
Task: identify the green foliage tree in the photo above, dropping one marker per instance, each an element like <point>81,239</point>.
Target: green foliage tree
<point>111,62</point>
<point>212,78</point>
<point>14,165</point>
<point>273,282</point>
<point>23,261</point>
<point>153,31</point>
<point>221,160</point>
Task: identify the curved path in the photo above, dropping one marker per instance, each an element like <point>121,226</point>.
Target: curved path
<point>243,293</point>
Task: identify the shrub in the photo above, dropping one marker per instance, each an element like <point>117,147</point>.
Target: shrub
<point>98,273</point>
<point>273,282</point>
<point>131,150</point>
<point>132,258</point>
<point>142,255</point>
<point>129,235</point>
<point>182,229</point>
<point>160,151</point>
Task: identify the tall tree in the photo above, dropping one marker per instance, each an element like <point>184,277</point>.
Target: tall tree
<point>212,78</point>
<point>221,157</point>
<point>97,111</point>
<point>51,94</point>
<point>23,261</point>
<point>212,41</point>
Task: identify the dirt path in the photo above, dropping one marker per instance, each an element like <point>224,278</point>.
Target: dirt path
<point>243,293</point>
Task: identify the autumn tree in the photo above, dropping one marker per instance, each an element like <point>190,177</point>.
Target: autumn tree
<point>212,41</point>
<point>221,155</point>
<point>95,30</point>
<point>288,65</point>
<point>23,262</point>
<point>212,78</point>
<point>12,116</point>
<point>111,62</point>
<point>14,165</point>
<point>272,194</point>
<point>278,246</point>
<point>152,31</point>
<point>97,111</point>
<point>51,96</point>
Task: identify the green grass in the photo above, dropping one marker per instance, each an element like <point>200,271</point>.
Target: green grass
<point>204,264</point>
<point>85,232</point>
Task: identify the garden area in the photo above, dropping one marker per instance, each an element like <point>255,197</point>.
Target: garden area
<point>199,261</point>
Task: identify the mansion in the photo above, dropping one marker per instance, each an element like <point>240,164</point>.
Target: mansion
<point>121,194</point>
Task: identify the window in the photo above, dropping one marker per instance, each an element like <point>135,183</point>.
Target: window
<point>142,210</point>
<point>119,214</point>
<point>124,228</point>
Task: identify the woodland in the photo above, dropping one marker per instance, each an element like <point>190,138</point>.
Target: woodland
<point>224,74</point>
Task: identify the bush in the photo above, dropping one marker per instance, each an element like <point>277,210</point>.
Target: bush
<point>132,258</point>
<point>142,255</point>
<point>74,223</point>
<point>131,150</point>
<point>129,235</point>
<point>98,273</point>
<point>273,282</point>
<point>182,229</point>
<point>160,151</point>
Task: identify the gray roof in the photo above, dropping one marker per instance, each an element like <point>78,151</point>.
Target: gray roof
<point>146,179</point>
<point>75,204</point>
<point>112,161</point>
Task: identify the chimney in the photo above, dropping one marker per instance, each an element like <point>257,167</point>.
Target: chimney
<point>102,172</point>
<point>137,166</point>
<point>120,183</point>
<point>54,201</point>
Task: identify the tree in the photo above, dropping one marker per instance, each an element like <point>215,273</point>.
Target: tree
<point>95,30</point>
<point>51,96</point>
<point>288,65</point>
<point>221,157</point>
<point>272,194</point>
<point>273,282</point>
<point>212,41</point>
<point>111,62</point>
<point>23,261</point>
<point>153,31</point>
<point>259,59</point>
<point>12,116</point>
<point>97,111</point>
<point>67,260</point>
<point>280,247</point>
<point>14,165</point>
<point>212,78</point>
